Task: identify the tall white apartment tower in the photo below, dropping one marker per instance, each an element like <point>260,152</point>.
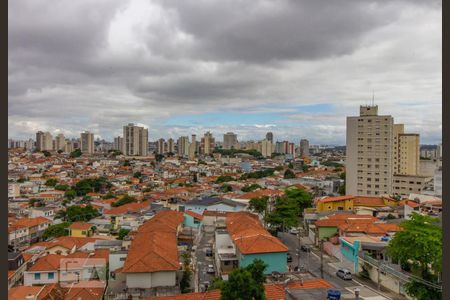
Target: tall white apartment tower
<point>369,153</point>
<point>183,146</point>
<point>60,142</point>
<point>135,140</point>
<point>87,142</point>
<point>229,140</point>
<point>304,148</point>
<point>44,141</point>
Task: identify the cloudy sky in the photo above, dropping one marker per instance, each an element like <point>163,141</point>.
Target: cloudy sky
<point>293,67</point>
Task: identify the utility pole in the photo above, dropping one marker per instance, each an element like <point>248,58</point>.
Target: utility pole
<point>298,250</point>
<point>321,259</point>
<point>379,278</point>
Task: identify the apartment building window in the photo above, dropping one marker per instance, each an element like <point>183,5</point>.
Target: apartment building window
<point>368,192</point>
<point>377,186</point>
<point>37,276</point>
<point>369,185</point>
<point>51,275</point>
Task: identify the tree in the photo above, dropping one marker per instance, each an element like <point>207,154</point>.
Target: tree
<point>288,174</point>
<point>290,166</point>
<point>70,194</point>
<point>259,204</point>
<point>257,269</point>
<point>305,168</point>
<point>62,187</point>
<point>341,190</point>
<point>51,182</point>
<point>21,179</point>
<point>185,283</point>
<point>249,188</point>
<point>122,233</point>
<point>137,175</point>
<point>109,195</point>
<point>46,153</point>
<point>76,153</point>
<point>60,151</point>
<point>89,185</point>
<point>216,284</point>
<point>124,200</point>
<point>56,230</point>
<point>159,157</point>
<point>244,284</point>
<point>76,213</point>
<point>225,188</point>
<point>418,247</point>
<point>35,202</point>
<point>285,214</point>
<point>224,178</point>
<point>300,196</point>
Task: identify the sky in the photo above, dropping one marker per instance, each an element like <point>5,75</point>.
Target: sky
<point>296,68</point>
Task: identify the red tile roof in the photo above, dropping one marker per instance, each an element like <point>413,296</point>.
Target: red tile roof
<point>154,247</point>
<point>334,199</point>
<point>249,235</point>
<point>130,207</point>
<point>194,215</point>
<point>80,226</point>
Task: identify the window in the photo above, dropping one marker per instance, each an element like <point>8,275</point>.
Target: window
<point>37,276</point>
<point>83,232</point>
<point>51,275</point>
<point>122,258</point>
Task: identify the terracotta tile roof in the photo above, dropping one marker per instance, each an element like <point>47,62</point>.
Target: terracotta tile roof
<point>86,290</point>
<point>410,203</point>
<point>69,242</point>
<point>31,222</point>
<point>260,193</point>
<point>154,247</point>
<point>80,226</point>
<point>49,262</point>
<point>130,207</point>
<point>194,215</point>
<point>249,235</point>
<point>20,292</point>
<point>334,199</point>
<point>310,284</point>
<point>368,201</point>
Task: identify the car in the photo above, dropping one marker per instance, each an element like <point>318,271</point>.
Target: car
<point>294,231</point>
<point>210,269</point>
<point>209,252</point>
<point>289,258</point>
<point>344,274</point>
<point>305,248</point>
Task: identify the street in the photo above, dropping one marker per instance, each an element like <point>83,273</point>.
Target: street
<point>202,261</point>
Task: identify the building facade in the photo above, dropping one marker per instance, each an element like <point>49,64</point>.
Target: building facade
<point>229,140</point>
<point>87,142</point>
<point>135,140</point>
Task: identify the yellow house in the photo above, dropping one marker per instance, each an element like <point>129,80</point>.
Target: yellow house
<point>335,203</point>
<point>80,229</point>
<point>349,202</point>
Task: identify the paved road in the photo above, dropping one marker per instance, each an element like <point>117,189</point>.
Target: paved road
<point>311,261</point>
<point>202,260</point>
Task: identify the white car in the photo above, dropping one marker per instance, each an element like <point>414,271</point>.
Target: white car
<point>210,269</point>
<point>294,231</point>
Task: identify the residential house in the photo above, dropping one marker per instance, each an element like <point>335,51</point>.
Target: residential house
<point>16,267</point>
<point>80,229</point>
<point>213,204</point>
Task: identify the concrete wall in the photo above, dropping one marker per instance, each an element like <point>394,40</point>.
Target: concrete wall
<point>326,232</point>
<point>150,280</point>
<point>276,261</point>
<point>29,278</point>
<point>190,222</point>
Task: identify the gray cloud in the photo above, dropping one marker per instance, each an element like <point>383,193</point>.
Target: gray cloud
<point>76,65</point>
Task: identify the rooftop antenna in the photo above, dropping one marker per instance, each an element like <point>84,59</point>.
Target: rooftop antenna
<point>373,97</point>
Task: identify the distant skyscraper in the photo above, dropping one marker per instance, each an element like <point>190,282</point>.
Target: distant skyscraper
<point>229,140</point>
<point>207,143</point>
<point>266,148</point>
<point>118,143</point>
<point>135,140</point>
<point>269,137</point>
<point>161,147</point>
<point>304,148</point>
<point>44,141</point>
<point>60,142</point>
<point>193,147</point>
<point>171,146</point>
<point>87,142</point>
<point>183,146</point>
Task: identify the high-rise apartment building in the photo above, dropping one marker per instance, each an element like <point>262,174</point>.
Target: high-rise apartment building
<point>118,143</point>
<point>44,141</point>
<point>135,140</point>
<point>267,148</point>
<point>304,148</point>
<point>171,146</point>
<point>269,137</point>
<point>207,143</point>
<point>87,142</point>
<point>183,146</point>
<point>380,157</point>
<point>193,147</point>
<point>161,146</point>
<point>60,142</point>
<point>229,140</point>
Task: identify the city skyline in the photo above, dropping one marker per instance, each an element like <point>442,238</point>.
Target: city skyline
<point>156,63</point>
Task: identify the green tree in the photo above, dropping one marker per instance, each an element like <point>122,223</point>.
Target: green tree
<point>224,178</point>
<point>22,179</point>
<point>46,153</point>
<point>70,194</point>
<point>51,182</point>
<point>245,283</point>
<point>288,174</point>
<point>249,188</point>
<point>305,168</point>
<point>341,190</point>
<point>62,187</point>
<point>290,166</point>
<point>35,202</point>
<point>122,233</point>
<point>185,283</point>
<point>216,284</point>
<point>300,196</point>
<point>159,157</point>
<point>76,153</point>
<point>137,175</point>
<point>56,230</point>
<point>109,195</point>
<point>259,204</point>
<point>279,168</point>
<point>60,151</point>
<point>225,188</point>
<point>418,247</point>
<point>76,213</point>
<point>285,214</point>
<point>124,200</point>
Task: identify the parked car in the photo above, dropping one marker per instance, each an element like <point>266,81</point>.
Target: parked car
<point>289,258</point>
<point>293,231</point>
<point>305,248</point>
<point>209,252</point>
<point>210,269</point>
<point>344,274</point>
